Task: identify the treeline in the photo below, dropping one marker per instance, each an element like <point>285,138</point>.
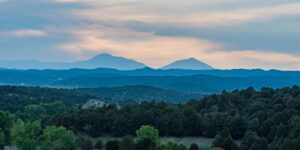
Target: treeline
<point>146,138</point>
<point>31,135</point>
<point>15,98</point>
<point>269,118</point>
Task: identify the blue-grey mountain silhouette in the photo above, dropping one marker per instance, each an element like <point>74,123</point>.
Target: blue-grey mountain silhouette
<point>100,61</point>
<point>108,61</point>
<point>188,64</point>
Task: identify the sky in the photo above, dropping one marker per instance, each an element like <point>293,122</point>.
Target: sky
<point>223,33</point>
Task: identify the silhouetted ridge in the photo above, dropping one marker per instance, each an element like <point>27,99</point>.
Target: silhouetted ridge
<point>189,64</point>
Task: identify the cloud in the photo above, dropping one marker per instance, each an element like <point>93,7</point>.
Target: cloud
<point>73,1</point>
<point>156,51</point>
<point>166,14</point>
<point>254,59</point>
<point>146,47</point>
<point>223,33</point>
<point>26,33</point>
<point>252,14</point>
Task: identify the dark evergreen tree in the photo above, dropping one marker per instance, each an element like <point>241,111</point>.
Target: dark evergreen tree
<point>225,141</point>
<point>112,145</point>
<point>252,141</point>
<point>194,147</point>
<point>237,127</point>
<point>83,143</point>
<point>127,143</point>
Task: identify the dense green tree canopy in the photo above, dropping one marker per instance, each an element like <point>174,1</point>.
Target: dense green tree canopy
<point>265,119</point>
<point>269,113</point>
<point>147,132</point>
<point>25,135</point>
<point>6,122</point>
<point>54,138</point>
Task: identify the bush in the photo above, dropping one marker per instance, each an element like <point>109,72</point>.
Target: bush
<point>225,142</point>
<point>194,147</point>
<point>99,144</point>
<point>145,144</point>
<point>112,145</point>
<point>83,143</point>
<point>127,143</point>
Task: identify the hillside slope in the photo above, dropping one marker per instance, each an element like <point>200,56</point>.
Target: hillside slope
<point>131,94</point>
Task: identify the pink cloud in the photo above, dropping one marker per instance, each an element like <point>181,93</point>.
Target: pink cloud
<point>146,47</point>
<point>166,14</point>
<point>26,33</point>
<point>157,51</point>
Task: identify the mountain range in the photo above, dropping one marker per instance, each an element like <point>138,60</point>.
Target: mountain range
<point>186,81</point>
<point>103,60</point>
<point>189,76</point>
<point>100,61</point>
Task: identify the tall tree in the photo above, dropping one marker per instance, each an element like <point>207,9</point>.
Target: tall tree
<point>237,128</point>
<point>25,135</point>
<point>6,123</point>
<point>225,141</point>
<point>54,138</point>
<point>252,141</point>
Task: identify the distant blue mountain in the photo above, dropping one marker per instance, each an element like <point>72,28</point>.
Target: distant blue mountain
<point>188,76</point>
<point>187,81</point>
<point>32,64</point>
<point>188,64</point>
<point>104,60</point>
<point>100,61</point>
<point>108,61</point>
<point>188,84</point>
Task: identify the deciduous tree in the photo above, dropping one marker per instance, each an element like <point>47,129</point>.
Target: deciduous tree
<point>54,138</point>
<point>25,135</point>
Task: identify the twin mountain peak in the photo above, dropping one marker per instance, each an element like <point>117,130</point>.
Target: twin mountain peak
<point>104,60</point>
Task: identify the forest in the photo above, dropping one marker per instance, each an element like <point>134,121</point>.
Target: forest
<point>267,119</point>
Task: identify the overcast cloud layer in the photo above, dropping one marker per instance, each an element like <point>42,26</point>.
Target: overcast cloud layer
<point>223,33</point>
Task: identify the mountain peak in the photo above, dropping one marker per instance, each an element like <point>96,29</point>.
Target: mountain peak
<point>101,56</point>
<point>191,59</point>
<point>105,60</point>
<point>188,64</point>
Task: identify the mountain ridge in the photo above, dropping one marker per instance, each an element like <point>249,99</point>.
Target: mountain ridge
<point>188,64</point>
<point>188,81</point>
<point>103,60</point>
